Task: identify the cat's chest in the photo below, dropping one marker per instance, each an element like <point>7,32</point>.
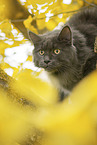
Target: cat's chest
<point>63,81</point>
<point>55,81</point>
<point>59,81</point>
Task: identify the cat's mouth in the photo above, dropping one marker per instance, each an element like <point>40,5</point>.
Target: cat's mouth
<point>49,69</point>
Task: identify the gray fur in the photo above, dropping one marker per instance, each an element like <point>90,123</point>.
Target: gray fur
<point>76,43</point>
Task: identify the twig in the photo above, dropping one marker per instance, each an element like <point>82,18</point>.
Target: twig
<point>62,13</point>
<point>51,16</point>
<point>19,20</point>
<point>95,45</point>
<point>91,4</point>
<point>95,49</point>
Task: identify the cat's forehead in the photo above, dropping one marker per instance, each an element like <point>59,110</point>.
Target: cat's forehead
<point>50,39</point>
<point>47,43</point>
<point>51,35</point>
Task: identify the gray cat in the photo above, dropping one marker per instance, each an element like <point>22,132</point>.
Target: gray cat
<point>68,54</point>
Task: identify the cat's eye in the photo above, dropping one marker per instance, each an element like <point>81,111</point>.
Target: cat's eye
<point>57,51</point>
<point>41,52</point>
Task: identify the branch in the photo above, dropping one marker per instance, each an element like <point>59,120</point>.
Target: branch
<point>91,4</point>
<point>17,13</point>
<point>21,20</point>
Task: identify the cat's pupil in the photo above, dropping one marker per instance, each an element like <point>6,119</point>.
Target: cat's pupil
<point>41,52</point>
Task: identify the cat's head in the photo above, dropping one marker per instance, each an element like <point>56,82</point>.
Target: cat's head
<point>54,50</point>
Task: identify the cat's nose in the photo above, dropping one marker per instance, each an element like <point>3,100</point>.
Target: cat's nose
<point>46,61</point>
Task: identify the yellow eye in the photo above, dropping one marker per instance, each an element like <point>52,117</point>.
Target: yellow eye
<point>41,52</point>
<point>57,51</point>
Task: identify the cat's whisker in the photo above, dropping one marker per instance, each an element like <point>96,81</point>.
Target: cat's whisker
<point>34,72</point>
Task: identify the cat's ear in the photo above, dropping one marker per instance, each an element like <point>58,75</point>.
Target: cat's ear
<point>34,37</point>
<point>65,34</point>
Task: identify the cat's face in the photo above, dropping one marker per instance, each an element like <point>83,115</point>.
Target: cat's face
<point>53,51</point>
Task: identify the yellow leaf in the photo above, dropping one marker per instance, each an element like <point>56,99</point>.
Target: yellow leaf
<point>29,58</point>
<point>50,25</point>
<point>13,123</point>
<point>6,27</point>
<point>34,3</point>
<point>40,21</point>
<point>35,89</point>
<point>75,118</point>
<point>4,65</point>
<point>3,10</point>
<point>28,24</point>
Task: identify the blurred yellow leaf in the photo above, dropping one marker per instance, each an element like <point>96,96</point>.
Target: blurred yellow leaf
<point>28,25</point>
<point>12,121</point>
<point>29,58</point>
<point>7,28</point>
<point>75,118</point>
<point>38,2</point>
<point>50,24</point>
<point>34,88</point>
<point>40,21</point>
<point>3,10</point>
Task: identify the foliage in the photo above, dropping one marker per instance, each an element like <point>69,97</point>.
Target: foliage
<point>29,108</point>
<point>72,122</point>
